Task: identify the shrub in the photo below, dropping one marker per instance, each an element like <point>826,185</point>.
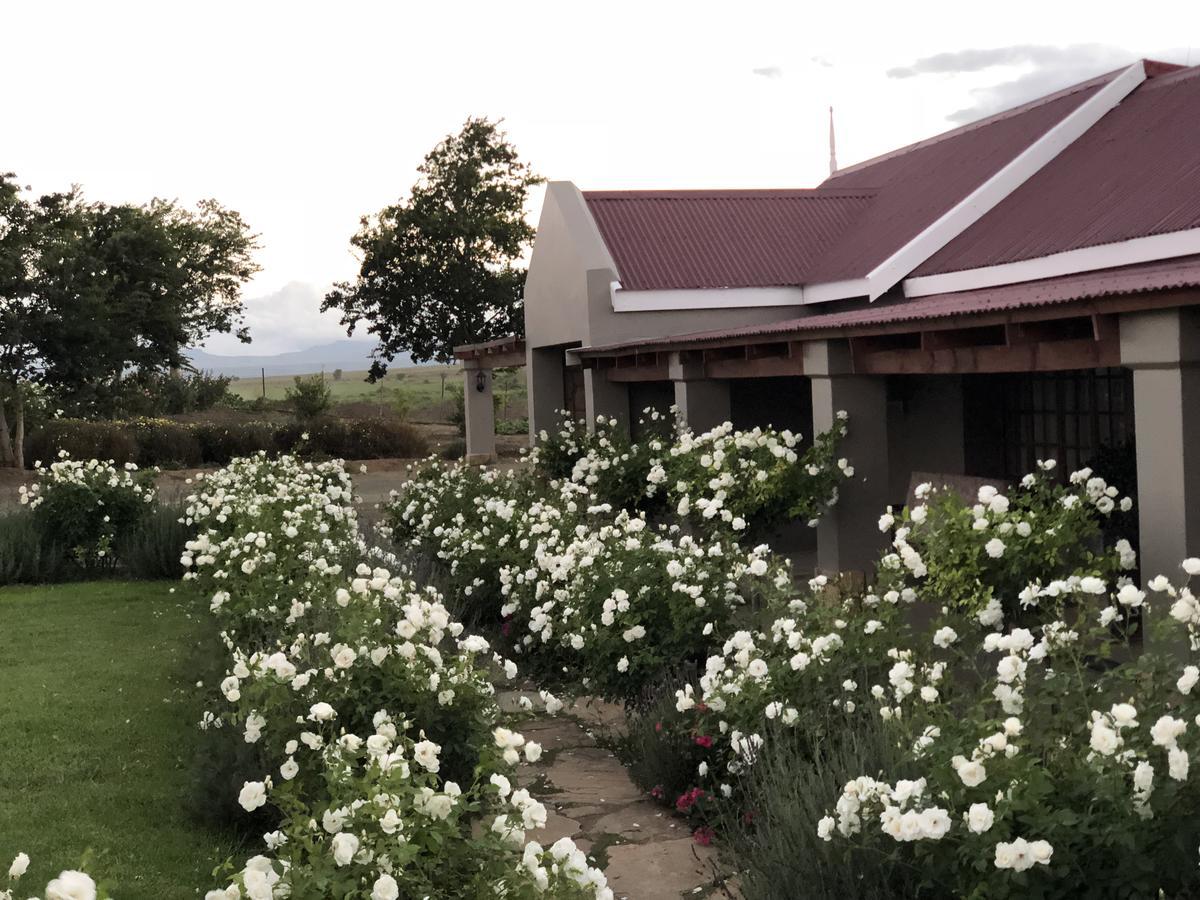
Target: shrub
<point>1036,752</point>
<point>153,547</point>
<point>992,551</point>
<point>81,440</point>
<point>458,409</point>
<point>728,478</point>
<point>311,396</point>
<point>161,442</point>
<point>163,393</point>
<point>27,556</point>
<point>768,837</point>
<point>366,439</point>
<point>603,459</point>
<point>592,591</point>
<point>88,505</point>
<point>374,714</point>
<point>659,746</point>
<point>512,426</point>
<point>220,444</point>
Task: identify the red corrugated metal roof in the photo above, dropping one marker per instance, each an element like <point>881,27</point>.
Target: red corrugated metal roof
<point>1134,173</point>
<point>1156,276</point>
<point>720,239</point>
<point>916,186</point>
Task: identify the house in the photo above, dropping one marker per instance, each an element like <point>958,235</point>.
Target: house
<point>1024,287</point>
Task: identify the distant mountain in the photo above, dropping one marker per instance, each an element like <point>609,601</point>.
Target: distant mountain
<point>348,355</point>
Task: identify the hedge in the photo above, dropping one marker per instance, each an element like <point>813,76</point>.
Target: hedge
<point>161,442</point>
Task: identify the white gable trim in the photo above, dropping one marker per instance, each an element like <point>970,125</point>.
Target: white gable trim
<point>933,238</point>
<point>1069,262</point>
<point>624,301</point>
<point>985,197</point>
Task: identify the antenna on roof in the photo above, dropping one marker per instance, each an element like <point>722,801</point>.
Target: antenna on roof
<point>832,145</point>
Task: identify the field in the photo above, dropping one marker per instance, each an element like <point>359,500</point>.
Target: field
<point>97,725</point>
<point>422,384</point>
<point>417,393</point>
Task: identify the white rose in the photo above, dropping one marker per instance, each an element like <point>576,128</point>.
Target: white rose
<point>344,847</point>
<point>980,817</point>
<point>71,885</point>
<point>321,712</point>
<point>253,795</point>
<point>385,888</point>
<point>1104,740</point>
<point>426,755</point>
<point>971,773</point>
<point>19,866</point>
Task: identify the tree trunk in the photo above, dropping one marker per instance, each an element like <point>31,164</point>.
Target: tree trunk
<point>6,451</point>
<point>19,432</point>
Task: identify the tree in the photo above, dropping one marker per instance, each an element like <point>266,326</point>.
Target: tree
<point>91,292</point>
<point>441,268</point>
<point>310,398</point>
<point>337,374</point>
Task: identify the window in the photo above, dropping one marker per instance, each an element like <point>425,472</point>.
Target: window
<point>1066,416</point>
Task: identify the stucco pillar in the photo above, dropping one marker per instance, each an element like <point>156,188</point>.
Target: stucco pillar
<point>605,398</point>
<point>1163,349</point>
<point>480,413</point>
<point>544,386</point>
<point>703,403</point>
<point>848,537</point>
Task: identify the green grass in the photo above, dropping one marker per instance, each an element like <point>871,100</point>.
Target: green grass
<point>421,384</point>
<point>98,708</point>
<point>420,390</point>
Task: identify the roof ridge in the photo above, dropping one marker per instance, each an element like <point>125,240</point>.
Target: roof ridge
<point>1170,76</point>
<point>980,123</point>
<point>733,193</point>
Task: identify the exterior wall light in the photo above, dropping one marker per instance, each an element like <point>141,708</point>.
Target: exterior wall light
<point>481,381</point>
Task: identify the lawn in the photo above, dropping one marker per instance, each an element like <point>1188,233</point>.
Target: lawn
<point>98,705</point>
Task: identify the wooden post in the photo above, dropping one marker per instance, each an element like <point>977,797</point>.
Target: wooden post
<point>264,382</point>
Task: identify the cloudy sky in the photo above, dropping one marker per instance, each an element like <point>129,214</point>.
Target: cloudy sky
<point>306,115</point>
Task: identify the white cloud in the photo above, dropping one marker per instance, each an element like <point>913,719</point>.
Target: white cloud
<point>1043,69</point>
<point>288,319</point>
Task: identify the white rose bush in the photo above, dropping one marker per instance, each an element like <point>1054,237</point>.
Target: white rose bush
<point>1044,712</point>
<point>85,506</point>
<point>611,562</point>
<point>384,763</point>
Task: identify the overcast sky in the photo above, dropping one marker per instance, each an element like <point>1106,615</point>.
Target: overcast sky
<point>303,116</point>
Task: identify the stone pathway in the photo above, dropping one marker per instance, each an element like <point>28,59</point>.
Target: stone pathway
<point>645,850</point>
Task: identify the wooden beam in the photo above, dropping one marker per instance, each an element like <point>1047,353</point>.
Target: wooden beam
<point>1033,356</point>
<point>504,360</point>
<point>637,373</point>
<point>952,338</point>
<point>761,367</point>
